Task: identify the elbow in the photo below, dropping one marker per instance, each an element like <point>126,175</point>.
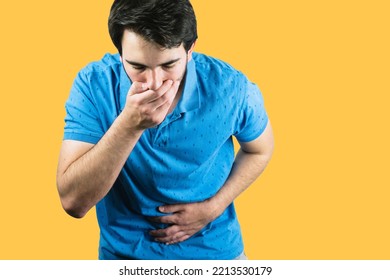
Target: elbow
<point>74,214</point>
<point>73,210</point>
<point>269,154</point>
<point>72,206</point>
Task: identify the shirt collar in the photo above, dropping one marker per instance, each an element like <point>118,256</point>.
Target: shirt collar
<point>190,99</point>
<point>124,86</point>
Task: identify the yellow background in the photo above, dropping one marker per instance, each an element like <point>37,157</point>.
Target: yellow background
<point>323,68</point>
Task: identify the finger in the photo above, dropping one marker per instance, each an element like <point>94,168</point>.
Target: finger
<point>163,100</point>
<point>170,219</point>
<point>166,232</point>
<point>171,239</point>
<point>154,95</point>
<point>137,87</point>
<point>184,237</point>
<point>158,233</point>
<point>171,208</point>
<point>178,240</point>
<point>165,87</point>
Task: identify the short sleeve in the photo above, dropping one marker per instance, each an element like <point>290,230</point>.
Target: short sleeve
<point>253,118</point>
<point>81,120</point>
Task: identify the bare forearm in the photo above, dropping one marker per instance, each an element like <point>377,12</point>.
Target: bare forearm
<point>88,179</point>
<point>187,219</point>
<point>247,167</point>
<point>86,173</point>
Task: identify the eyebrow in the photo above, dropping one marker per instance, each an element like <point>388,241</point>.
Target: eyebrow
<point>142,65</point>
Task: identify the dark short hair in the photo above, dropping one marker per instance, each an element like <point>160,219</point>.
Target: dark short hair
<point>168,23</point>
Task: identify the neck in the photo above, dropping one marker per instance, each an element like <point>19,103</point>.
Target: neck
<point>177,97</point>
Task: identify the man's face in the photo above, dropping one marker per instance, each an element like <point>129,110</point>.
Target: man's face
<point>148,63</point>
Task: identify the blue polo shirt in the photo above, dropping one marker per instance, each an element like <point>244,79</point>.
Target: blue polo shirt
<point>187,158</point>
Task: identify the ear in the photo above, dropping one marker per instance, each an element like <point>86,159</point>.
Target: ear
<point>189,53</point>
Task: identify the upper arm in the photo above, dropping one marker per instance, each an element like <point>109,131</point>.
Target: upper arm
<point>252,118</point>
<point>263,145</point>
<point>71,150</point>
<point>82,125</point>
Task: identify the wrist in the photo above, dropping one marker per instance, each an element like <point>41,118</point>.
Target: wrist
<point>128,126</point>
<point>215,207</point>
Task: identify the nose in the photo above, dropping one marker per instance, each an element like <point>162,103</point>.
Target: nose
<point>155,78</point>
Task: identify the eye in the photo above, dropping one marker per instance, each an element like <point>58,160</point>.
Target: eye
<point>139,68</point>
<point>169,66</point>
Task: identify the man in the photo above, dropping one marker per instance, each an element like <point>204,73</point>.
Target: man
<point>148,140</point>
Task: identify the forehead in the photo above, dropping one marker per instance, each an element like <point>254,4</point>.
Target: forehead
<point>135,47</point>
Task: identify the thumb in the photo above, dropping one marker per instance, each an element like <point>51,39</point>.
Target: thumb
<point>170,208</point>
